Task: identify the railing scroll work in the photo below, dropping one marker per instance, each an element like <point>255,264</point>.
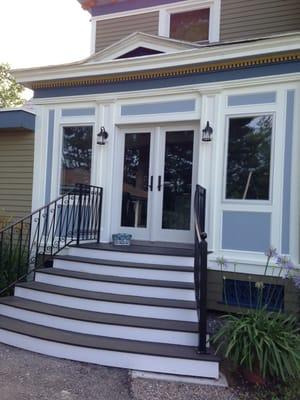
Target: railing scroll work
<point>31,242</point>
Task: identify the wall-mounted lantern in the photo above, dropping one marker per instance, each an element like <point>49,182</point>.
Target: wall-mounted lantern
<point>102,136</point>
<point>207,133</point>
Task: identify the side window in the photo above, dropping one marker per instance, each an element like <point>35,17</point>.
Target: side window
<point>76,156</point>
<point>249,157</point>
<point>190,26</point>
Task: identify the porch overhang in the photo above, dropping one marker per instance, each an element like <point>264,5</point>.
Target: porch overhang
<point>210,58</point>
<point>17,120</point>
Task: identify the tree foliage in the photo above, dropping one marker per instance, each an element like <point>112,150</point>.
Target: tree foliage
<point>10,90</point>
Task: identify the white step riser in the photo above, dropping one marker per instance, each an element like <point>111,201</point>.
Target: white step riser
<point>128,272</point>
<point>116,288</point>
<point>116,331</point>
<point>131,257</point>
<point>113,358</point>
<point>137,310</point>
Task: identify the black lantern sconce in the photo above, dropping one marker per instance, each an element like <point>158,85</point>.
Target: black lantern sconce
<point>207,133</point>
<point>102,136</point>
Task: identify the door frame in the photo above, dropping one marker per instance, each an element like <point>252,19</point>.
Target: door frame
<point>172,235</point>
<point>137,233</point>
<point>156,167</point>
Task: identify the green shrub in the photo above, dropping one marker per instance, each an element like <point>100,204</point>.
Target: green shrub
<point>260,341</point>
<point>14,245</point>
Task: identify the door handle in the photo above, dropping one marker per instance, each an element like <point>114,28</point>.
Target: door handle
<point>159,183</point>
<point>151,184</point>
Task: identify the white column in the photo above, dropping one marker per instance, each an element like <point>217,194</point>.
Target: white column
<point>40,156</point>
<point>104,166</point>
<point>208,162</point>
<point>295,194</point>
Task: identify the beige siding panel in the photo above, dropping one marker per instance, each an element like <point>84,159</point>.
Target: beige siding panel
<point>111,31</point>
<point>16,173</point>
<point>245,19</point>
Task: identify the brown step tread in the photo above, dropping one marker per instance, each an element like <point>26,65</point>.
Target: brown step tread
<point>97,317</point>
<point>109,297</point>
<point>116,279</point>
<point>128,264</point>
<point>169,249</point>
<point>102,342</point>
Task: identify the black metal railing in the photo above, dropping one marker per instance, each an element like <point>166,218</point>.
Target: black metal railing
<point>31,242</point>
<point>200,265</point>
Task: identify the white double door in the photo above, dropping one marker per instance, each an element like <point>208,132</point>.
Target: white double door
<point>154,181</point>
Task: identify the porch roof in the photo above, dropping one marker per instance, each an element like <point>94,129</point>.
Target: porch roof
<point>104,67</point>
<point>17,120</point>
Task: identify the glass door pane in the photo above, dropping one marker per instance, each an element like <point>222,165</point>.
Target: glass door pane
<point>135,180</point>
<point>178,173</point>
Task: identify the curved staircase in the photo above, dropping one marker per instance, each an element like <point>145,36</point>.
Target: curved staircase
<point>123,307</point>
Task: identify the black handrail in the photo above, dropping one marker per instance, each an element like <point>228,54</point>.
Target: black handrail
<point>31,242</point>
<point>200,266</point>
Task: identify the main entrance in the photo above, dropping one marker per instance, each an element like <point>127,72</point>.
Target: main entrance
<point>154,182</point>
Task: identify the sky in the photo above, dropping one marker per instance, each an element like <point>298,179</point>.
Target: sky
<point>43,32</point>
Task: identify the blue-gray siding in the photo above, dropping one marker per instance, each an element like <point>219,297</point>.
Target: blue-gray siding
<point>78,112</point>
<point>251,98</point>
<point>246,231</point>
<point>17,119</point>
<point>159,107</point>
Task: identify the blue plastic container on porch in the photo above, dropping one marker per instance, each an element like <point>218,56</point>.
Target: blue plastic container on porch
<point>121,239</point>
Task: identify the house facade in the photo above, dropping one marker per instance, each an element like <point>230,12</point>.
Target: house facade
<point>175,94</point>
<point>149,91</point>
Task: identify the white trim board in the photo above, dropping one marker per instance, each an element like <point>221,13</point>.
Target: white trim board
<point>214,16</point>
<point>200,55</point>
<point>235,87</point>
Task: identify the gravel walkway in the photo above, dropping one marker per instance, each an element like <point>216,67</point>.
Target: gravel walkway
<point>30,376</point>
<point>144,389</point>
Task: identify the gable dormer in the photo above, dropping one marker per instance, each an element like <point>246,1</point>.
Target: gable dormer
<point>140,45</point>
<point>199,21</point>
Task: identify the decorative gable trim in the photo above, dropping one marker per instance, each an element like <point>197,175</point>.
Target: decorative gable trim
<point>138,39</point>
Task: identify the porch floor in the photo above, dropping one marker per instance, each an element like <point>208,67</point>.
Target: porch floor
<point>146,247</point>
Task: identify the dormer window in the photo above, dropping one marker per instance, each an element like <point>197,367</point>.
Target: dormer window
<point>190,26</point>
<point>191,21</point>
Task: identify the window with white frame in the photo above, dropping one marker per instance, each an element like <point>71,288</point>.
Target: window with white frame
<point>191,21</point>
<point>248,163</point>
<point>190,26</point>
<point>76,156</point>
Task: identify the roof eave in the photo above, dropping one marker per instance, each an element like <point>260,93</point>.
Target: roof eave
<point>210,53</point>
